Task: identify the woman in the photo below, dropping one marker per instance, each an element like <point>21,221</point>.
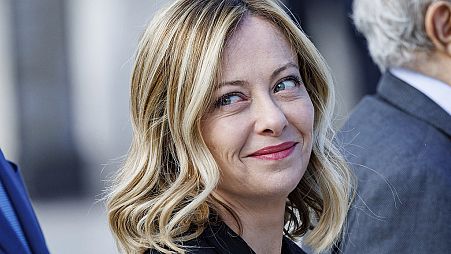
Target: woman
<point>231,153</point>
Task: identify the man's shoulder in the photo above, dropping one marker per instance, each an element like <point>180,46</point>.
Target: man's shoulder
<point>374,113</point>
<point>403,167</point>
<point>376,130</point>
<point>388,148</point>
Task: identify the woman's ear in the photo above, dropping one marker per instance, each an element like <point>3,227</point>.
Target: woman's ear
<point>437,22</point>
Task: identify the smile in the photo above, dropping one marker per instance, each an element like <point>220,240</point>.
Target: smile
<point>277,152</point>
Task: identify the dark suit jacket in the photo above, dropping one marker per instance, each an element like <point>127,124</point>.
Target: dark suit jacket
<point>15,189</point>
<point>398,143</point>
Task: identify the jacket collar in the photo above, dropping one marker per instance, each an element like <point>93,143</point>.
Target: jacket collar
<point>12,181</point>
<point>412,101</point>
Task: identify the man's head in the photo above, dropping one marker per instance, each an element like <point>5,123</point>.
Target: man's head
<point>415,34</point>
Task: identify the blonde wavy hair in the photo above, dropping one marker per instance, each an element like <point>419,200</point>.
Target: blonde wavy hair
<point>163,194</point>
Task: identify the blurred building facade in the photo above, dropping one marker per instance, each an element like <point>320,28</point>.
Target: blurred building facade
<point>64,87</point>
<point>65,67</point>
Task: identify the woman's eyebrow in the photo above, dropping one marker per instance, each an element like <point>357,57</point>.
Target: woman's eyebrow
<point>273,75</point>
<point>282,68</point>
<point>234,83</point>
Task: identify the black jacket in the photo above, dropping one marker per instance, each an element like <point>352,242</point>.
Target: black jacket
<point>220,239</point>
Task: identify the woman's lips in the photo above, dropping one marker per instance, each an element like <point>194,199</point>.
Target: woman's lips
<point>277,152</point>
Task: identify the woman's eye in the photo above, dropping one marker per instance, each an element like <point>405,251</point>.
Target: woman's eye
<point>286,84</point>
<point>228,99</point>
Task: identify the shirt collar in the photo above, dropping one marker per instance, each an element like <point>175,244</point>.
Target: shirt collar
<point>436,90</point>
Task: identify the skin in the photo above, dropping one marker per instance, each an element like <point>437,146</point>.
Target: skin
<point>261,102</point>
<point>438,28</point>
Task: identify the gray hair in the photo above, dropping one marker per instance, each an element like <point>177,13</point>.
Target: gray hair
<point>394,29</point>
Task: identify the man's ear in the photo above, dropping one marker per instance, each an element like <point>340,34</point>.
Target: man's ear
<point>438,25</point>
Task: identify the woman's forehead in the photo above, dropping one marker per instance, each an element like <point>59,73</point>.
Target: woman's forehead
<point>257,45</point>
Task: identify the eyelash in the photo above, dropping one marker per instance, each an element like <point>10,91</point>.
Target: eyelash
<point>218,102</point>
<point>295,79</point>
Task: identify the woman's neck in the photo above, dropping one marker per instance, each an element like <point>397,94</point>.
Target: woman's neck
<point>261,224</point>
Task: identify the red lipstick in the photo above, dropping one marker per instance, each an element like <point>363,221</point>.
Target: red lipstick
<point>277,152</point>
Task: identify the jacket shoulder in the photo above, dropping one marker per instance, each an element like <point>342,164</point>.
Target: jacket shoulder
<point>403,167</point>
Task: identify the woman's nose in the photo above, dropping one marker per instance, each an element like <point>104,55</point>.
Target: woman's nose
<point>269,118</point>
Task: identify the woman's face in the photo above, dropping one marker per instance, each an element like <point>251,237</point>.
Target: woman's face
<point>260,127</point>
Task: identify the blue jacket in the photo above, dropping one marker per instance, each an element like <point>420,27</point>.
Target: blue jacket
<point>15,189</point>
